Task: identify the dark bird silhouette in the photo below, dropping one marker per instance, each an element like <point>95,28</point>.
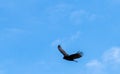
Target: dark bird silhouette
<point>71,57</point>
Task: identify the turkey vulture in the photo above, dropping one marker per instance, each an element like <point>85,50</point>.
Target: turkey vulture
<point>71,57</point>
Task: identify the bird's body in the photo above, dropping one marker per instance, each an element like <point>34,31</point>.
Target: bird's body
<point>71,57</point>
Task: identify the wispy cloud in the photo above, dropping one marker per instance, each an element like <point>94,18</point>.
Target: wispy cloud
<point>94,64</point>
<point>78,16</point>
<point>92,17</point>
<point>75,36</point>
<point>15,30</point>
<point>81,16</point>
<point>69,12</point>
<point>59,10</point>
<point>10,33</point>
<point>112,55</point>
<point>95,67</point>
<point>65,40</point>
<point>102,66</point>
<point>56,42</point>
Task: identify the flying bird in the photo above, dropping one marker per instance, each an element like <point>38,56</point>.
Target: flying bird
<point>70,57</point>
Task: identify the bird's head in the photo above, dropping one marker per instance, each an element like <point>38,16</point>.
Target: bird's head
<point>59,46</point>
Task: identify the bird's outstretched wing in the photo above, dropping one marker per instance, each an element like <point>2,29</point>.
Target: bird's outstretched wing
<point>62,51</point>
<point>76,55</point>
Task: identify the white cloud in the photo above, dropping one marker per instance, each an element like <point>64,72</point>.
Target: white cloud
<point>75,36</point>
<point>66,40</point>
<point>10,33</point>
<point>110,61</point>
<point>15,30</point>
<point>112,55</point>
<point>94,64</point>
<point>95,67</point>
<point>56,42</point>
<point>92,17</point>
<point>58,10</point>
<point>81,16</point>
<point>78,16</point>
<point>69,13</point>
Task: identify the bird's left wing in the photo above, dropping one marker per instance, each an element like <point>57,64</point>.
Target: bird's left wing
<point>62,51</point>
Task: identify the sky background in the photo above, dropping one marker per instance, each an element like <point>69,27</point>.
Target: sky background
<point>30,31</point>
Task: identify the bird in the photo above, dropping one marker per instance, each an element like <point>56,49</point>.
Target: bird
<point>70,57</point>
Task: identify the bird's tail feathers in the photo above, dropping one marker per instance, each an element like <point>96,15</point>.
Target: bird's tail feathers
<point>80,52</point>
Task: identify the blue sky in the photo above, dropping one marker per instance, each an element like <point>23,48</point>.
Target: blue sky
<point>30,31</point>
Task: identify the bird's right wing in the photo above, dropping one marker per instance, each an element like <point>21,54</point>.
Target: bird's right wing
<point>77,55</point>
<point>62,51</point>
